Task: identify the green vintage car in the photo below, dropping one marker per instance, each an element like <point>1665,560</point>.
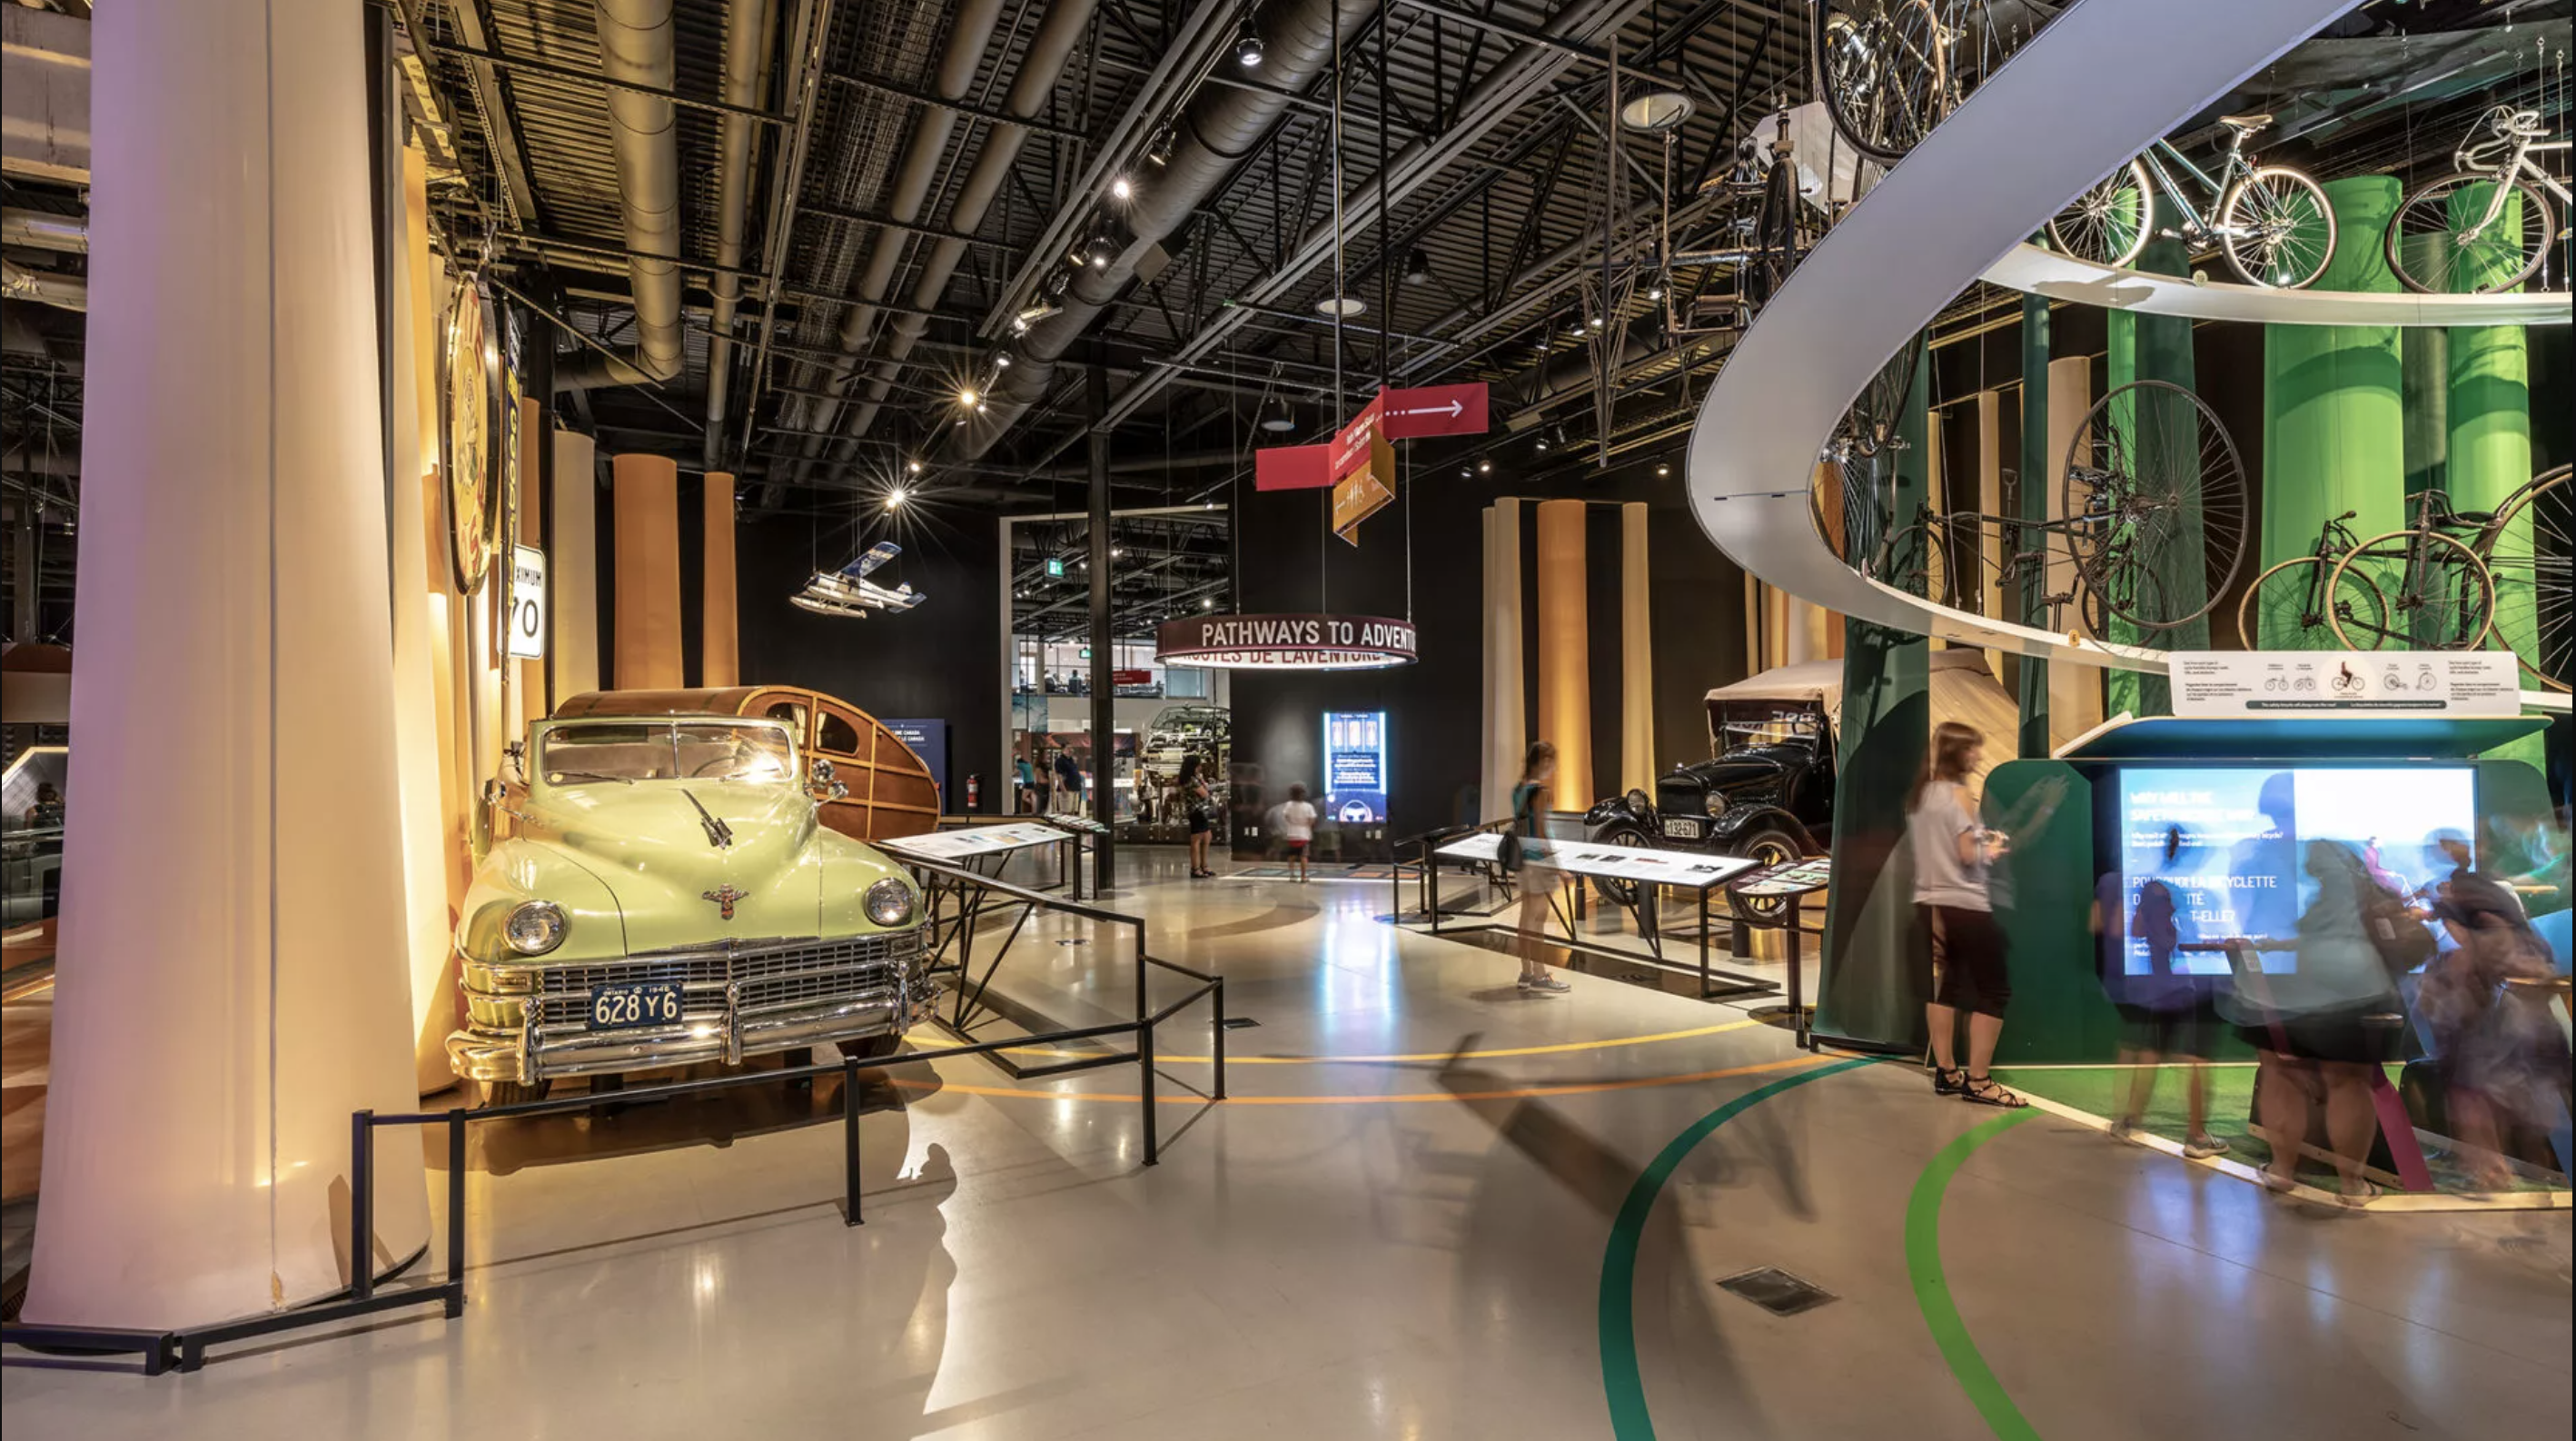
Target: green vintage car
<point>670,897</point>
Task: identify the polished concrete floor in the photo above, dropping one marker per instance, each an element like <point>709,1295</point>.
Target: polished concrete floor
<point>1433,1207</point>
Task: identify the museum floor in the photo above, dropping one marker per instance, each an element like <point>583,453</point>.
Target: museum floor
<point>1435,1207</point>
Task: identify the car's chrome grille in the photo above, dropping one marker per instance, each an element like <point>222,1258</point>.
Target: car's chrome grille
<point>760,976</point>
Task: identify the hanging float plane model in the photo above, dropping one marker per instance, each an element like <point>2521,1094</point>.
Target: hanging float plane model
<point>848,591</point>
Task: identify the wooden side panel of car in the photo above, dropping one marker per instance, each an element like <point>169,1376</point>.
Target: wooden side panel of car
<point>891,790</point>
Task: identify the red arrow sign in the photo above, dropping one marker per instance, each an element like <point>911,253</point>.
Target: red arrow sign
<point>1292,467</point>
<point>1435,410</point>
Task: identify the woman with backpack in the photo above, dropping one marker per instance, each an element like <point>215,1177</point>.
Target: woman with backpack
<point>1524,854</point>
<point>1197,802</point>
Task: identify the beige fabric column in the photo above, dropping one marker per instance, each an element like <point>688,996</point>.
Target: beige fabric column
<point>1986,599</point>
<point>232,980</point>
<point>528,698</point>
<point>572,569</point>
<point>426,919</point>
<point>1564,651</point>
<point>720,645</point>
<point>648,573</point>
<point>2074,691</point>
<point>1507,701</point>
<point>1753,590</point>
<point>1636,655</point>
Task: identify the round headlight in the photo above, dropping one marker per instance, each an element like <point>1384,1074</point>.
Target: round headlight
<point>890,902</point>
<point>535,928</point>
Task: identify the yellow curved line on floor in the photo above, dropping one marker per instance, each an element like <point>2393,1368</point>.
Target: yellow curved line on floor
<point>1558,1048</point>
<point>1517,1093</point>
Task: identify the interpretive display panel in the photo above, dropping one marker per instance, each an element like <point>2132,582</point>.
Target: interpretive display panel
<point>978,841</point>
<point>1618,863</point>
<point>1355,778</point>
<point>2429,682</point>
<point>2209,854</point>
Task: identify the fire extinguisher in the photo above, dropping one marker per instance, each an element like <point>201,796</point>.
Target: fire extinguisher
<point>974,792</point>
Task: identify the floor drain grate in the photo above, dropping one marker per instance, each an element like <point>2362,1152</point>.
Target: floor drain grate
<point>1776,1291</point>
<point>1240,1023</point>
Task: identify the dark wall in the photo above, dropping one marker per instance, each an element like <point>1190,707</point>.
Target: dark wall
<point>941,660</point>
<point>1290,562</point>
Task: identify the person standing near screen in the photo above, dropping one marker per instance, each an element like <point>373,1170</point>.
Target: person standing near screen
<point>1297,828</point>
<point>2165,1013</point>
<point>1953,857</point>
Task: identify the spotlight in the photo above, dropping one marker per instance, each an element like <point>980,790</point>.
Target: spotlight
<point>1541,443</point>
<point>1417,267</point>
<point>1001,360</point>
<point>913,466</point>
<point>1122,188</point>
<point>1484,467</point>
<point>1277,415</point>
<point>896,497</point>
<point>1100,252</point>
<point>1247,51</point>
<point>1021,322</point>
<point>1654,292</point>
<point>1342,306</point>
<point>1662,470</point>
<point>1207,602</point>
<point>1466,472</point>
<point>967,397</point>
<point>1158,151</point>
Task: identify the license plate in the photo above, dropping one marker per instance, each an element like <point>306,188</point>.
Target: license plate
<point>616,1007</point>
<point>1681,829</point>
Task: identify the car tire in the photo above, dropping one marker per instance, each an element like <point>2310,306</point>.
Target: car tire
<point>1620,833</point>
<point>513,1093</point>
<point>1769,846</point>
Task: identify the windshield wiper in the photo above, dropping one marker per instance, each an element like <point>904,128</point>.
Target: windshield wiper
<point>561,776</point>
<point>719,835</point>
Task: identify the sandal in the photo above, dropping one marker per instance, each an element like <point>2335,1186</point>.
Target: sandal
<point>1947,1082</point>
<point>1982,1091</point>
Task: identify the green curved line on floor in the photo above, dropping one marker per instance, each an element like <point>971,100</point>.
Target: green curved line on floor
<point>1621,1380</point>
<point>1932,1290</point>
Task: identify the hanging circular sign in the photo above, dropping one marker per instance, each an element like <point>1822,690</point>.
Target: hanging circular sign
<point>1285,642</point>
<point>471,430</point>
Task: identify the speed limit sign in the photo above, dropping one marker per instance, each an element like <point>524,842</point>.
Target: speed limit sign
<point>527,603</point>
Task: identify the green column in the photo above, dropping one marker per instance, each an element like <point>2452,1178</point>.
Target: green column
<point>2158,347</point>
<point>1865,988</point>
<point>2333,399</point>
<point>2034,509</point>
<point>2488,420</point>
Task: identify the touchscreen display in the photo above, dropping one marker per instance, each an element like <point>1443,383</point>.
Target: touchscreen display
<point>2208,854</point>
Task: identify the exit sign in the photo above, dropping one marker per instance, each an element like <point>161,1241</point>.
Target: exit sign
<point>1055,567</point>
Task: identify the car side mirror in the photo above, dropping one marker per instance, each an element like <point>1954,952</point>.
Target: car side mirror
<point>496,793</point>
<point>826,785</point>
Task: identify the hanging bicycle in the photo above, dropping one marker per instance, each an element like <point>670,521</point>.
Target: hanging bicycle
<point>2456,578</point>
<point>2487,226</point>
<point>2296,604</point>
<point>1890,70</point>
<point>2272,221</point>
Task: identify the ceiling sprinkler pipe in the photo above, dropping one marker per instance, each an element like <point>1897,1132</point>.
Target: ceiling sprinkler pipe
<point>750,27</point>
<point>636,46</point>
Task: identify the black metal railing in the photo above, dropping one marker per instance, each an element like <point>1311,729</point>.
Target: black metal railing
<point>185,1347</point>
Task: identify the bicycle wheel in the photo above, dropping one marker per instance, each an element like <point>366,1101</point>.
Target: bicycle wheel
<point>2109,223</point>
<point>1775,238</point>
<point>2528,553</point>
<point>1870,425</point>
<point>2287,607</point>
<point>2440,596</point>
<point>1882,69</point>
<point>1916,560</point>
<point>2154,482</point>
<point>2432,253</point>
<point>2277,228</point>
<point>2117,591</point>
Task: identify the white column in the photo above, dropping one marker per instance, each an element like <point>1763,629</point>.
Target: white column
<point>232,984</point>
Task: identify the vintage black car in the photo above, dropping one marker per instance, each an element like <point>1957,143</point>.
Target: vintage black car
<point>1768,794</point>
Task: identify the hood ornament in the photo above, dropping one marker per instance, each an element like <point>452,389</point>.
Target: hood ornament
<point>724,897</point>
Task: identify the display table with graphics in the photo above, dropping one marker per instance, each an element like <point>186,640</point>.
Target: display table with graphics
<point>1647,870</point>
<point>1784,884</point>
<point>954,902</point>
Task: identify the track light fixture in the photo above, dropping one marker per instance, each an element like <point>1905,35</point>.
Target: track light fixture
<point>1101,252</point>
<point>912,467</point>
<point>1484,467</point>
<point>1158,151</point>
<point>967,397</point>
<point>1278,415</point>
<point>1122,188</point>
<point>1247,50</point>
<point>1541,444</point>
<point>1662,470</point>
<point>1417,267</point>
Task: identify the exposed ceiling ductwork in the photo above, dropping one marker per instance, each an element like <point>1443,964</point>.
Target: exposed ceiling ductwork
<point>636,47</point>
<point>1217,130</point>
<point>36,287</point>
<point>750,33</point>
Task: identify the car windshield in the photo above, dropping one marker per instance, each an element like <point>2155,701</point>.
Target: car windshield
<point>631,751</point>
<point>1764,726</point>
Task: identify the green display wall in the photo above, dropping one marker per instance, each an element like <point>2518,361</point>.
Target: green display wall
<point>2334,434</point>
<point>1866,989</point>
<point>2487,425</point>
<point>2158,347</point>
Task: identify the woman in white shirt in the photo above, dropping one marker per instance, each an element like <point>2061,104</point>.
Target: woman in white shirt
<point>1953,854</point>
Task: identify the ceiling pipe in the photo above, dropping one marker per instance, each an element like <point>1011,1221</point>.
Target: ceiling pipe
<point>36,287</point>
<point>1058,36</point>
<point>1217,129</point>
<point>750,33</point>
<point>967,39</point>
<point>636,47</point>
<point>37,230</point>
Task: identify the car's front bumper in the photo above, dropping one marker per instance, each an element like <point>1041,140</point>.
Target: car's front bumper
<point>533,1036</point>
